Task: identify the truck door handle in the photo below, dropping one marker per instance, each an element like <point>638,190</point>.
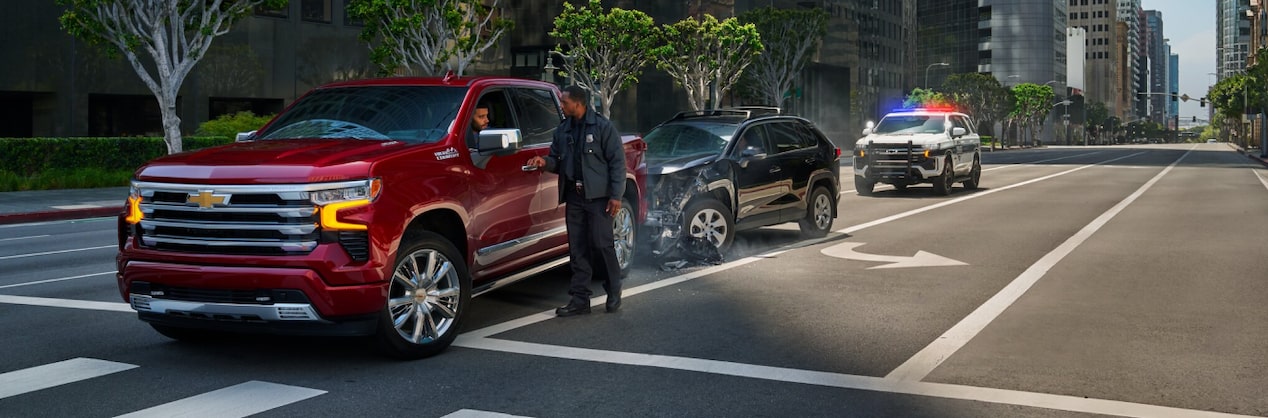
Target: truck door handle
<point>528,168</point>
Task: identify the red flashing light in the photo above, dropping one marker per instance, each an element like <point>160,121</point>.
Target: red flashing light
<point>927,109</point>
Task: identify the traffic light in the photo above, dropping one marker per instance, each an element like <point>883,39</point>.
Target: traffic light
<point>1202,103</point>
<point>1195,119</point>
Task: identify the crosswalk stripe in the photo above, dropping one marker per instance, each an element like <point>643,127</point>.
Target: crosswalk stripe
<point>235,401</point>
<point>473,413</point>
<point>56,374</point>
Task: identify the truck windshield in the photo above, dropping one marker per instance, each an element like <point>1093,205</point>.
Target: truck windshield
<point>679,140</point>
<point>415,114</point>
<point>910,124</point>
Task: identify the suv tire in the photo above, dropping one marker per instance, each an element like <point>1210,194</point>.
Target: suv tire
<point>942,183</point>
<point>819,210</point>
<point>975,176</point>
<point>427,295</point>
<point>863,186</point>
<point>709,219</point>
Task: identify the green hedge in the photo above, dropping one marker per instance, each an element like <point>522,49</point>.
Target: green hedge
<point>32,156</point>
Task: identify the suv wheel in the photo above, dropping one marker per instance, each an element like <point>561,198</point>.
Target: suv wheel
<point>942,184</point>
<point>818,218</point>
<point>708,220</point>
<point>429,291</point>
<point>623,231</point>
<point>863,186</point>
<point>975,177</point>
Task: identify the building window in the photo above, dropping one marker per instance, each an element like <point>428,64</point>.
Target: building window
<point>315,11</point>
<point>281,12</point>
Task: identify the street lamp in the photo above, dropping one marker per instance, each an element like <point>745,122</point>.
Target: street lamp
<point>943,64</point>
<point>548,72</point>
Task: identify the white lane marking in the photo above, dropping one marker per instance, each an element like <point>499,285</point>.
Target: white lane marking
<point>67,303</point>
<point>846,251</point>
<point>472,413</point>
<point>1261,177</point>
<point>55,280</point>
<point>68,221</point>
<point>56,374</point>
<point>929,358</point>
<point>28,237</point>
<point>239,400</point>
<point>839,380</point>
<point>10,257</point>
<point>70,207</point>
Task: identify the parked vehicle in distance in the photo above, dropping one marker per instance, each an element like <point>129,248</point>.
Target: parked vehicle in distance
<point>913,146</point>
<point>365,208</point>
<point>714,172</point>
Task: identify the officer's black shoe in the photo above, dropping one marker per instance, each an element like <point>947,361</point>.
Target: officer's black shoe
<point>614,302</point>
<point>572,309</point>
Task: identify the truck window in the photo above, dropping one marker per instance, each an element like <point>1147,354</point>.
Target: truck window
<point>416,114</point>
<point>538,113</point>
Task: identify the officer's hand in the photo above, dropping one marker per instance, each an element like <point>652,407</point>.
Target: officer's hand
<point>614,205</point>
<point>536,161</point>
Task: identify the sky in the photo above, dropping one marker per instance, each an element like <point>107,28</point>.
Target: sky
<point>1190,25</point>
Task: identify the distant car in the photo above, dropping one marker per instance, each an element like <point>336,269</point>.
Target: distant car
<point>713,172</point>
<point>1211,141</point>
<point>912,146</point>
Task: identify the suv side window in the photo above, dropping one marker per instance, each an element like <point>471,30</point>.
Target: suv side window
<point>960,122</point>
<point>538,113</point>
<point>808,132</point>
<point>754,136</point>
<point>786,137</point>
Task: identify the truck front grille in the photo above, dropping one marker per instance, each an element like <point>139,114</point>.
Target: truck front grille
<point>264,220</point>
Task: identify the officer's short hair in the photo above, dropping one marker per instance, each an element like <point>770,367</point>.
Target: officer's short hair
<point>579,94</point>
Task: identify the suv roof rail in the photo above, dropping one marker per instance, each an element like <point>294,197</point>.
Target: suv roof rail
<point>747,112</point>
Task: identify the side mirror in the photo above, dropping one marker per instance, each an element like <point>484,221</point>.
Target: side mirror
<point>500,141</point>
<point>751,154</point>
<point>244,136</point>
<point>957,132</point>
<point>868,129</point>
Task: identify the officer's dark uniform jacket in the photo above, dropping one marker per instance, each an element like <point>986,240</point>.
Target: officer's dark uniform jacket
<point>602,163</point>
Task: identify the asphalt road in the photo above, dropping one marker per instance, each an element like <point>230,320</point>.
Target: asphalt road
<point>1076,282</point>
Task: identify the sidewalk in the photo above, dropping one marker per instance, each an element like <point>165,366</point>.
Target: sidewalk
<point>53,205</point>
<point>1253,154</point>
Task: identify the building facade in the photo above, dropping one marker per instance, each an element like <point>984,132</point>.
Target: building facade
<point>1173,84</point>
<point>1157,51</point>
<point>947,34</point>
<point>1232,37</point>
<point>55,85</point>
<point>1104,72</point>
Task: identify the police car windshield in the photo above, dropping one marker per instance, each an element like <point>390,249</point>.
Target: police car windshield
<point>417,114</point>
<point>910,124</point>
<point>677,140</point>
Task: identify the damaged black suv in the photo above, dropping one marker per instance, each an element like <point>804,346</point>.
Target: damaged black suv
<point>711,173</point>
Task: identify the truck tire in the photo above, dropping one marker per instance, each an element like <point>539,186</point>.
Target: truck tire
<point>942,184</point>
<point>863,186</point>
<point>624,230</point>
<point>428,293</point>
<point>975,177</point>
<point>818,218</point>
<point>709,219</point>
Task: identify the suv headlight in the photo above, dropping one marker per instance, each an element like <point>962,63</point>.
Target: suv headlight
<point>332,201</point>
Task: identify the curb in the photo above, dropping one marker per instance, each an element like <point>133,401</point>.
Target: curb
<point>58,215</point>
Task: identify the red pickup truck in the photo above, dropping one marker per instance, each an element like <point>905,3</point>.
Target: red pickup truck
<point>364,208</point>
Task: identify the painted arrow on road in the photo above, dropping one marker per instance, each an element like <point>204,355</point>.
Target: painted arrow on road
<point>921,259</point>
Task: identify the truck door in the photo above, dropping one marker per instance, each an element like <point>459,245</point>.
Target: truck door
<point>502,193</point>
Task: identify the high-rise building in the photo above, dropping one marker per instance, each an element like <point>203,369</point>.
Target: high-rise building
<point>1129,12</point>
<point>1156,50</point>
<point>1023,41</point>
<point>1232,37</point>
<point>1173,82</point>
<point>947,34</point>
<point>1105,75</point>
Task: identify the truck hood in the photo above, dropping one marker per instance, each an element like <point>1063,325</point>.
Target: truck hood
<point>271,162</point>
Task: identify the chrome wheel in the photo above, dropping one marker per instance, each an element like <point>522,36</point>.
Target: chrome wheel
<point>623,235</point>
<point>424,297</point>
<point>709,224</point>
<point>822,211</point>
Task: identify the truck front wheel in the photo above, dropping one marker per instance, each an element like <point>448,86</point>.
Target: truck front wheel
<point>430,288</point>
<point>863,185</point>
<point>942,184</point>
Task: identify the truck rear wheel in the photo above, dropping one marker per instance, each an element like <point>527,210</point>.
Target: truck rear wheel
<point>428,293</point>
<point>975,177</point>
<point>624,230</point>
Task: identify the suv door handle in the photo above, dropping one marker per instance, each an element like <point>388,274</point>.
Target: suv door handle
<point>775,169</point>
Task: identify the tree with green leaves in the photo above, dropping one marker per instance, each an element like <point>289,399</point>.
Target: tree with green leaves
<point>1233,96</point>
<point>428,37</point>
<point>925,98</point>
<point>705,52</point>
<point>162,40</point>
<point>981,96</point>
<point>790,37</point>
<point>1033,102</point>
<point>1097,115</point>
<point>606,50</point>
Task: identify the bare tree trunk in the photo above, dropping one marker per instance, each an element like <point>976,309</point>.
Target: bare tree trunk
<point>171,125</point>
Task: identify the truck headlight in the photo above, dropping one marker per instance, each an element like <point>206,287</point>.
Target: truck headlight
<point>332,201</point>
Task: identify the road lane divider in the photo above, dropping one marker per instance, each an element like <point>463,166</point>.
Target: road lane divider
<point>926,360</point>
<point>1260,177</point>
<point>21,238</point>
<point>56,374</point>
<point>60,279</point>
<point>10,257</point>
<point>67,303</point>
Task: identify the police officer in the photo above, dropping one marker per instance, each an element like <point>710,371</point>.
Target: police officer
<point>587,154</point>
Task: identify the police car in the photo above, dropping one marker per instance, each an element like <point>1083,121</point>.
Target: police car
<point>913,146</point>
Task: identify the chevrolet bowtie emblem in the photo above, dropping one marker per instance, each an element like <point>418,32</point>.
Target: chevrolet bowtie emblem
<point>205,199</point>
